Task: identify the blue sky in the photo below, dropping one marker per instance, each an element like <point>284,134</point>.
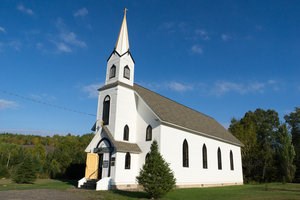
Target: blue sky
<point>222,58</point>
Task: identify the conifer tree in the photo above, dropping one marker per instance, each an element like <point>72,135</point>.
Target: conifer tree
<point>156,177</point>
<point>25,172</point>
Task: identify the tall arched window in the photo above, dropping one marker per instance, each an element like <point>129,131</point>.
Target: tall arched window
<point>185,154</point>
<point>105,114</point>
<point>147,157</point>
<point>204,156</point>
<point>126,133</point>
<point>126,73</point>
<point>231,161</point>
<point>112,72</point>
<point>219,159</point>
<point>127,160</point>
<point>149,133</point>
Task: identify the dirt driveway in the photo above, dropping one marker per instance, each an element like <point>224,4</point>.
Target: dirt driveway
<point>42,194</point>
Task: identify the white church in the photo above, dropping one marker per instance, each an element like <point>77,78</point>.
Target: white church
<point>200,151</point>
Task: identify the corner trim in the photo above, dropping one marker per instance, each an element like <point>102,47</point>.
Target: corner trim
<point>112,85</point>
<point>127,52</point>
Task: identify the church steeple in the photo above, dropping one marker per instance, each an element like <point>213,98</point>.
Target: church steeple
<point>120,64</point>
<point>122,45</point>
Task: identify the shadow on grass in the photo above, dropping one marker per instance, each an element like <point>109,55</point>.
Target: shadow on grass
<point>132,194</point>
<point>69,182</point>
<point>284,190</point>
<point>281,187</point>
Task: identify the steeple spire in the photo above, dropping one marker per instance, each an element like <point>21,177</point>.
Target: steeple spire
<point>122,45</point>
<point>120,64</point>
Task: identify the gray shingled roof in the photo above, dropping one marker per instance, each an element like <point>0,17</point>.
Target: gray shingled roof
<point>121,146</point>
<point>174,114</point>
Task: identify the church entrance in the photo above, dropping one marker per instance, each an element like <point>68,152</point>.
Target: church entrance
<point>100,165</point>
<point>104,151</point>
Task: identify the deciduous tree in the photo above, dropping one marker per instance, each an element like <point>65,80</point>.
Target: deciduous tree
<point>293,120</point>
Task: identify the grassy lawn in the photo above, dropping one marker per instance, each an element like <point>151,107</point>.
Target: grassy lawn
<point>7,184</point>
<point>272,191</point>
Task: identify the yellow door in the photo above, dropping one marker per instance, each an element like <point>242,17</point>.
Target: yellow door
<point>91,170</point>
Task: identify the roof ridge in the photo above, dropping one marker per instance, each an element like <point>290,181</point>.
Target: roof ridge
<point>175,101</point>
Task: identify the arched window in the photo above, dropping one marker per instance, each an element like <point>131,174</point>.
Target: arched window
<point>204,156</point>
<point>149,133</point>
<point>185,154</point>
<point>219,159</point>
<point>147,157</point>
<point>127,160</point>
<point>105,114</point>
<point>126,73</point>
<point>231,161</point>
<point>112,72</point>
<point>126,133</point>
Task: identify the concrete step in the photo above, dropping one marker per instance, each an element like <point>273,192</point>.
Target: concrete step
<point>90,184</point>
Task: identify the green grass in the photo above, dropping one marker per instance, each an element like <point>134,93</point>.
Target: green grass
<point>272,191</point>
<point>7,184</point>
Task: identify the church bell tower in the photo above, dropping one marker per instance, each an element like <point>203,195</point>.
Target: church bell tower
<point>120,64</point>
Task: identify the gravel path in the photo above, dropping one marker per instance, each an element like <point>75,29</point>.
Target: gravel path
<point>41,194</point>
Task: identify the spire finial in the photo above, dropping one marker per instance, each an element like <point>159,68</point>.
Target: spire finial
<point>122,45</point>
<point>125,11</point>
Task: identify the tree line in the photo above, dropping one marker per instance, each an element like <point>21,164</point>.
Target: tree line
<point>271,150</point>
<point>47,157</point>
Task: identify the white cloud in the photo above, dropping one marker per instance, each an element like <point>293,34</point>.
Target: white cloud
<point>92,89</point>
<point>168,26</point>
<point>25,10</point>
<point>259,28</point>
<point>62,47</point>
<point>202,34</point>
<point>5,104</point>
<point>217,88</point>
<point>275,85</point>
<point>172,27</point>
<point>179,87</point>
<point>169,85</point>
<point>81,12</point>
<point>71,38</point>
<point>15,44</point>
<point>66,40</point>
<point>2,30</point>
<point>39,45</point>
<point>223,87</point>
<point>197,49</point>
<point>225,37</point>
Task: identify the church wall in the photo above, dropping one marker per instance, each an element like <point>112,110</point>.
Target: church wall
<point>171,149</point>
<point>144,118</point>
<point>126,112</point>
<point>125,176</point>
